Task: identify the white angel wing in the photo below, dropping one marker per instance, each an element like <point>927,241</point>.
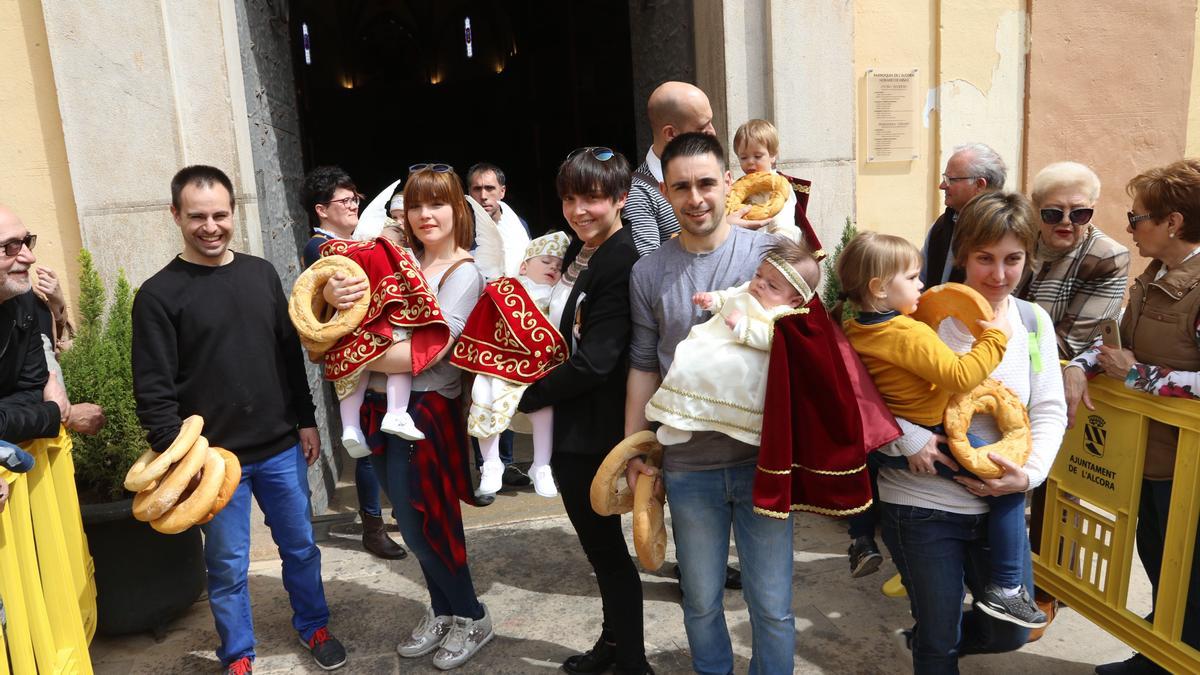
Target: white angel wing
<point>497,246</point>
<point>372,216</point>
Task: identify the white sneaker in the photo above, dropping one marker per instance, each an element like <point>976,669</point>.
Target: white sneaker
<point>401,424</point>
<point>668,435</point>
<point>354,442</point>
<point>465,638</point>
<point>543,480</point>
<point>490,477</point>
<point>427,636</point>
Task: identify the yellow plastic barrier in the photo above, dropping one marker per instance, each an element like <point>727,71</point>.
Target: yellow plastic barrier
<point>46,573</point>
<point>1087,546</point>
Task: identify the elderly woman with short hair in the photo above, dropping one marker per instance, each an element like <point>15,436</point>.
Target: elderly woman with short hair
<point>1077,274</point>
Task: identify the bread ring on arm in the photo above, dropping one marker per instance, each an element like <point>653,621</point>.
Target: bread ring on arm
<point>997,400</point>
<point>184,514</point>
<point>953,300</point>
<point>607,498</point>
<point>649,528</point>
<point>150,505</point>
<point>307,305</point>
<point>152,465</point>
<point>746,191</point>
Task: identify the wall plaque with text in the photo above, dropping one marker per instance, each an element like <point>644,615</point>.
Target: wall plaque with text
<point>892,115</point>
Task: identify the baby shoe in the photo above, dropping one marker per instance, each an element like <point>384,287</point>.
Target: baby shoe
<point>543,481</point>
<point>354,442</point>
<point>490,476</point>
<point>401,424</point>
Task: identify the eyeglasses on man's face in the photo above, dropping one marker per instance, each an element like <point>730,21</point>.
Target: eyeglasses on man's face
<point>951,179</point>
<point>13,246</point>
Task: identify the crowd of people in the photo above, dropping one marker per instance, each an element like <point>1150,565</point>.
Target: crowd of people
<point>654,263</point>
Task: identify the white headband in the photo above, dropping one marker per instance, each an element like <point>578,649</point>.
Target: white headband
<point>791,275</point>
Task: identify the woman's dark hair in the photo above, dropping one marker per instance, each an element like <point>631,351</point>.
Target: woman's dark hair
<point>432,187</point>
<point>321,183</point>
<point>200,175</point>
<point>1174,188</point>
<point>693,144</point>
<point>582,173</point>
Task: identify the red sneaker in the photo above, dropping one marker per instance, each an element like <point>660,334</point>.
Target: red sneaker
<point>242,666</point>
<point>326,650</point>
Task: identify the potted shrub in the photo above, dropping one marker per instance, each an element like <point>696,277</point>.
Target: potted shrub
<point>143,578</point>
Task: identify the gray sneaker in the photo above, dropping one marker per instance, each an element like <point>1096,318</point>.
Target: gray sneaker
<point>426,637</point>
<point>465,638</point>
<point>1019,609</point>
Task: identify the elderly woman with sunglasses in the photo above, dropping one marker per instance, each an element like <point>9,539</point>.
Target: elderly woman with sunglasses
<point>1077,274</point>
<point>1159,355</point>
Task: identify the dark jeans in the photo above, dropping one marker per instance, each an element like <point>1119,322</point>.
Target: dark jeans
<point>450,593</point>
<point>937,552</point>
<point>506,449</point>
<point>366,483</point>
<point>1151,533</point>
<point>604,544</point>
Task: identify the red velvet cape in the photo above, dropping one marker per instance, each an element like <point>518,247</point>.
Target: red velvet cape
<point>508,337</point>
<point>802,188</point>
<point>400,297</point>
<point>823,416</point>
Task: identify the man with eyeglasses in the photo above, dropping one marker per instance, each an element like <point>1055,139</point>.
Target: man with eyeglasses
<point>212,337</point>
<point>974,168</point>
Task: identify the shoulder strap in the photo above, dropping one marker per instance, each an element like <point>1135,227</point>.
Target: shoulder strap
<point>450,270</point>
<point>1033,326</point>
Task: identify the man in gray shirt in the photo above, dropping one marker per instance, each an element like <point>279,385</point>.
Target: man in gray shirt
<point>708,479</point>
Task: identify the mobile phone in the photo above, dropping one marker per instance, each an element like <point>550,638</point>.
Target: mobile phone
<point>1110,333</point>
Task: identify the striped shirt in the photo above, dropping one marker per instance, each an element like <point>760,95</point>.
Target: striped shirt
<point>1079,290</point>
<point>650,216</point>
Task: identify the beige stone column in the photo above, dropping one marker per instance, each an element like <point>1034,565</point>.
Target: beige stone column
<point>142,92</point>
<point>791,63</point>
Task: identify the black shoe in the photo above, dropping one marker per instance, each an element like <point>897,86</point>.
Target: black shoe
<point>865,557</point>
<point>598,659</point>
<point>515,477</point>
<point>482,500</point>
<point>1019,609</point>
<point>325,649</point>
<point>1134,665</point>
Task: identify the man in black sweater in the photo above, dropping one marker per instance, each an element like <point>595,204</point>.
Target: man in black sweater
<point>212,337</point>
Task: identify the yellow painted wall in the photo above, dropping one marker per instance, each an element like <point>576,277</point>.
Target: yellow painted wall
<point>1193,123</point>
<point>893,197</point>
<point>970,58</point>
<point>34,177</point>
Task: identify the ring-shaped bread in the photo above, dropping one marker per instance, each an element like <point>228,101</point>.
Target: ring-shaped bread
<point>307,304</point>
<point>607,498</point>
<point>953,300</point>
<point>776,188</point>
<point>992,398</point>
<point>649,528</point>
<point>233,478</point>
<point>150,505</point>
<point>195,506</point>
<point>152,465</point>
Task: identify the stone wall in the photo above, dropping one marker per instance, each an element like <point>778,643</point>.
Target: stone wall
<point>661,37</point>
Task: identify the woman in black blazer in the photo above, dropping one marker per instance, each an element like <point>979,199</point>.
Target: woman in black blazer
<point>588,393</point>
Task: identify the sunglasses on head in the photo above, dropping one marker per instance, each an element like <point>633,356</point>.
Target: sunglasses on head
<point>1077,216</point>
<point>599,152</point>
<point>436,168</point>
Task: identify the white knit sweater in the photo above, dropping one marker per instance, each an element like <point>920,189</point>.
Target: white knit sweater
<point>1043,394</point>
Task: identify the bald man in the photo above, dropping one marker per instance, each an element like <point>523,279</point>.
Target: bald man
<point>674,108</point>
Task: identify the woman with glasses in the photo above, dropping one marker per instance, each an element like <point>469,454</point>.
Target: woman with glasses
<point>1077,273</point>
<point>426,479</point>
<point>1159,355</point>
<point>588,392</point>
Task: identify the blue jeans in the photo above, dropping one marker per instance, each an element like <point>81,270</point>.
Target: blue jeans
<point>450,594</point>
<point>280,484</point>
<point>704,504</point>
<point>937,552</point>
<point>366,483</point>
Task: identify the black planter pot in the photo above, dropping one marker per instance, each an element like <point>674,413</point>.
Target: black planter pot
<point>144,579</point>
